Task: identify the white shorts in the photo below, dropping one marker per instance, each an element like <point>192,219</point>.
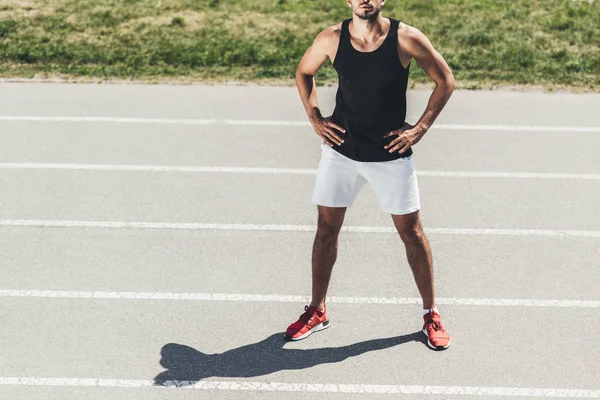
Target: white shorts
<point>339,179</point>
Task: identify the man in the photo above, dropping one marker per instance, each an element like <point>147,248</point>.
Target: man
<point>367,140</point>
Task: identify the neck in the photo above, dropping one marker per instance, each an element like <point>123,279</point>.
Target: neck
<point>369,29</point>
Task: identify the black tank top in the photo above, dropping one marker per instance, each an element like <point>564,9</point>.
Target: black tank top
<point>371,96</point>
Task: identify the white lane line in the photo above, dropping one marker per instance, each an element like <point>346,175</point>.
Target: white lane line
<point>275,298</point>
<point>109,119</point>
<point>284,171</point>
<point>304,387</point>
<point>287,228</point>
<point>510,175</point>
<point>179,121</point>
<point>158,168</point>
<point>519,128</point>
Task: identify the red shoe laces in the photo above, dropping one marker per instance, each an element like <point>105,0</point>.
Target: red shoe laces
<point>308,317</point>
<point>437,326</point>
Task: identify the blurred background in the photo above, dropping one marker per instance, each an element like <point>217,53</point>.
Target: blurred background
<point>549,43</point>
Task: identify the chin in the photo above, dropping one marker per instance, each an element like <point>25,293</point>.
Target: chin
<point>368,14</point>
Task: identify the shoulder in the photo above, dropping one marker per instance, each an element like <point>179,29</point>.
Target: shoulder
<point>407,33</point>
<point>411,38</point>
<point>328,38</point>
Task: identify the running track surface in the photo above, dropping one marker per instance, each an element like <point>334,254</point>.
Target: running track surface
<point>156,243</point>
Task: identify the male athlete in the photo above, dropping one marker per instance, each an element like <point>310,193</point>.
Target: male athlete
<point>367,140</point>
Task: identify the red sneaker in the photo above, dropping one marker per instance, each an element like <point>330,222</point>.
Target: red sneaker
<point>313,320</point>
<point>438,337</point>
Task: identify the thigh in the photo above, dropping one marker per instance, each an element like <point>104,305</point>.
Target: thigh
<point>338,180</point>
<point>395,185</point>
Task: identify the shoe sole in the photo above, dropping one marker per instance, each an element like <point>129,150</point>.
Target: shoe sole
<point>431,344</point>
<point>317,328</point>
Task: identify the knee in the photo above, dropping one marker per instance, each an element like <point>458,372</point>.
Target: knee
<point>413,236</point>
<point>327,233</point>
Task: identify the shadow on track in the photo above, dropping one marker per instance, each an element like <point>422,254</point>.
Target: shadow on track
<point>186,365</point>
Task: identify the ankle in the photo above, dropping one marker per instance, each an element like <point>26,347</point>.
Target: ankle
<point>425,311</point>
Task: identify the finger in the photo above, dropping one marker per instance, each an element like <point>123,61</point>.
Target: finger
<point>328,136</point>
<point>393,142</point>
<point>392,133</point>
<point>405,148</point>
<point>326,141</point>
<point>333,136</point>
<point>336,126</point>
<point>398,146</point>
<point>329,139</point>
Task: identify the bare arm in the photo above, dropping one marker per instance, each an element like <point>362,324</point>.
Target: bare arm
<point>418,46</point>
<point>313,59</point>
<point>437,69</point>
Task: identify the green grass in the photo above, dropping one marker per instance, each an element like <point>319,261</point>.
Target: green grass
<point>550,43</point>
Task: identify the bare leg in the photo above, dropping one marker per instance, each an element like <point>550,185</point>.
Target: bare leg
<point>418,253</point>
<point>325,251</point>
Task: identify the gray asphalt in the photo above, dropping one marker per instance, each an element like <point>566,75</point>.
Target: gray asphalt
<point>286,199</point>
<point>221,259</point>
<point>280,147</point>
<point>374,344</point>
<point>393,353</point>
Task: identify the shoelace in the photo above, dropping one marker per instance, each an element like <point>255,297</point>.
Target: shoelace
<point>306,317</point>
<point>437,326</point>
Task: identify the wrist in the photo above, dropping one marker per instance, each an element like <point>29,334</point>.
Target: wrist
<point>421,129</point>
<point>314,114</point>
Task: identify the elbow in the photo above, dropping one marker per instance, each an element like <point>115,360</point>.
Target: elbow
<point>449,83</point>
<point>302,73</point>
<point>302,78</point>
<point>446,84</point>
